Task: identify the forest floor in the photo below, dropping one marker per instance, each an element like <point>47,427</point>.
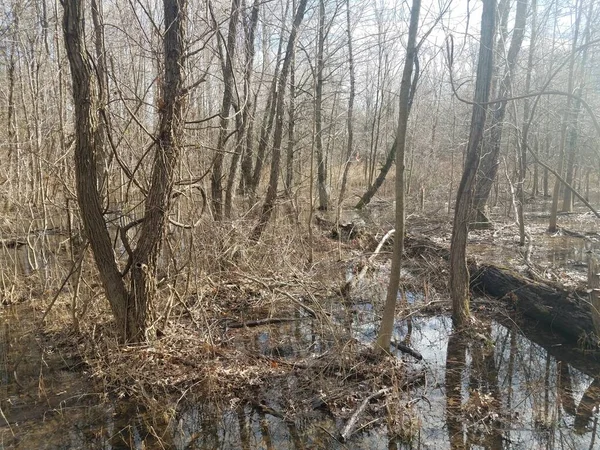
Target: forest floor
<point>286,339</point>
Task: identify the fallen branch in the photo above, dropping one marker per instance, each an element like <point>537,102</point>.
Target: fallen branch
<point>353,281</point>
<point>310,311</point>
<point>268,410</point>
<point>406,349</point>
<point>259,322</point>
<point>351,424</point>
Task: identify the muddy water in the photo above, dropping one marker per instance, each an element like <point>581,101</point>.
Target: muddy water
<point>501,390</point>
<point>506,389</point>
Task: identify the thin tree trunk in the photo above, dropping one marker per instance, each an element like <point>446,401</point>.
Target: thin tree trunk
<point>349,118</point>
<point>564,132</point>
<point>372,190</point>
<point>102,77</point>
<point>271,196</point>
<point>227,57</point>
<point>321,163</point>
<point>387,322</point>
<point>571,147</point>
<point>244,140</point>
<point>459,273</point>
<point>522,144</point>
<point>267,122</point>
<point>488,168</point>
<point>289,164</point>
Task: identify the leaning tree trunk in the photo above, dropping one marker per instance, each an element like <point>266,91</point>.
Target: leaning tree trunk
<point>459,273</point>
<point>86,153</point>
<point>271,196</point>
<point>387,322</point>
<point>391,157</point>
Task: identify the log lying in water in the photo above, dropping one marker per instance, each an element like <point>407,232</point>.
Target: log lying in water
<point>563,311</point>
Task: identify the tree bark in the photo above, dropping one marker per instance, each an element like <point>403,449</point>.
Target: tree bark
<point>554,306</point>
<point>522,144</point>
<point>489,164</point>
<point>391,157</point>
<point>158,203</point>
<point>132,309</point>
<point>349,117</point>
<point>227,57</point>
<point>387,322</point>
<point>572,147</point>
<point>86,151</point>
<point>321,164</point>
<point>459,273</point>
<point>244,141</point>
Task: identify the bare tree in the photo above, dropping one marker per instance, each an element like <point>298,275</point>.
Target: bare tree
<point>271,196</point>
<point>490,162</point>
<point>387,322</point>
<point>227,56</point>
<point>350,113</point>
<point>133,308</point>
<point>459,272</point>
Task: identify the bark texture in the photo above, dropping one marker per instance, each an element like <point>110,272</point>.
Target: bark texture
<point>86,154</point>
<point>489,164</point>
<point>566,312</point>
<point>459,273</point>
<point>158,202</point>
<point>132,308</point>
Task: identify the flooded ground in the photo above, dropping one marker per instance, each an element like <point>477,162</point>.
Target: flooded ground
<point>513,386</point>
<point>502,390</point>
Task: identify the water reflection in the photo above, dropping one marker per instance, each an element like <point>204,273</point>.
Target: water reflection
<point>501,390</point>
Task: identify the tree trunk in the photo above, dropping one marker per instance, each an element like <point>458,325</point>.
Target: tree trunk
<point>391,157</point>
<point>158,202</point>
<point>349,118</point>
<point>102,77</point>
<point>556,307</point>
<point>572,147</point>
<point>522,145</point>
<point>387,322</point>
<point>289,164</point>
<point>321,164</point>
<point>133,310</point>
<point>86,151</point>
<point>244,140</point>
<point>227,57</point>
<point>268,118</point>
<point>271,196</point>
<point>459,273</point>
<point>488,168</point>
<point>564,132</point>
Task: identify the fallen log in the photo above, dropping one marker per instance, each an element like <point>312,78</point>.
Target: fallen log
<point>566,312</point>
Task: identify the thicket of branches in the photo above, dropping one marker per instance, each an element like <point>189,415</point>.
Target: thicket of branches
<point>286,103</point>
